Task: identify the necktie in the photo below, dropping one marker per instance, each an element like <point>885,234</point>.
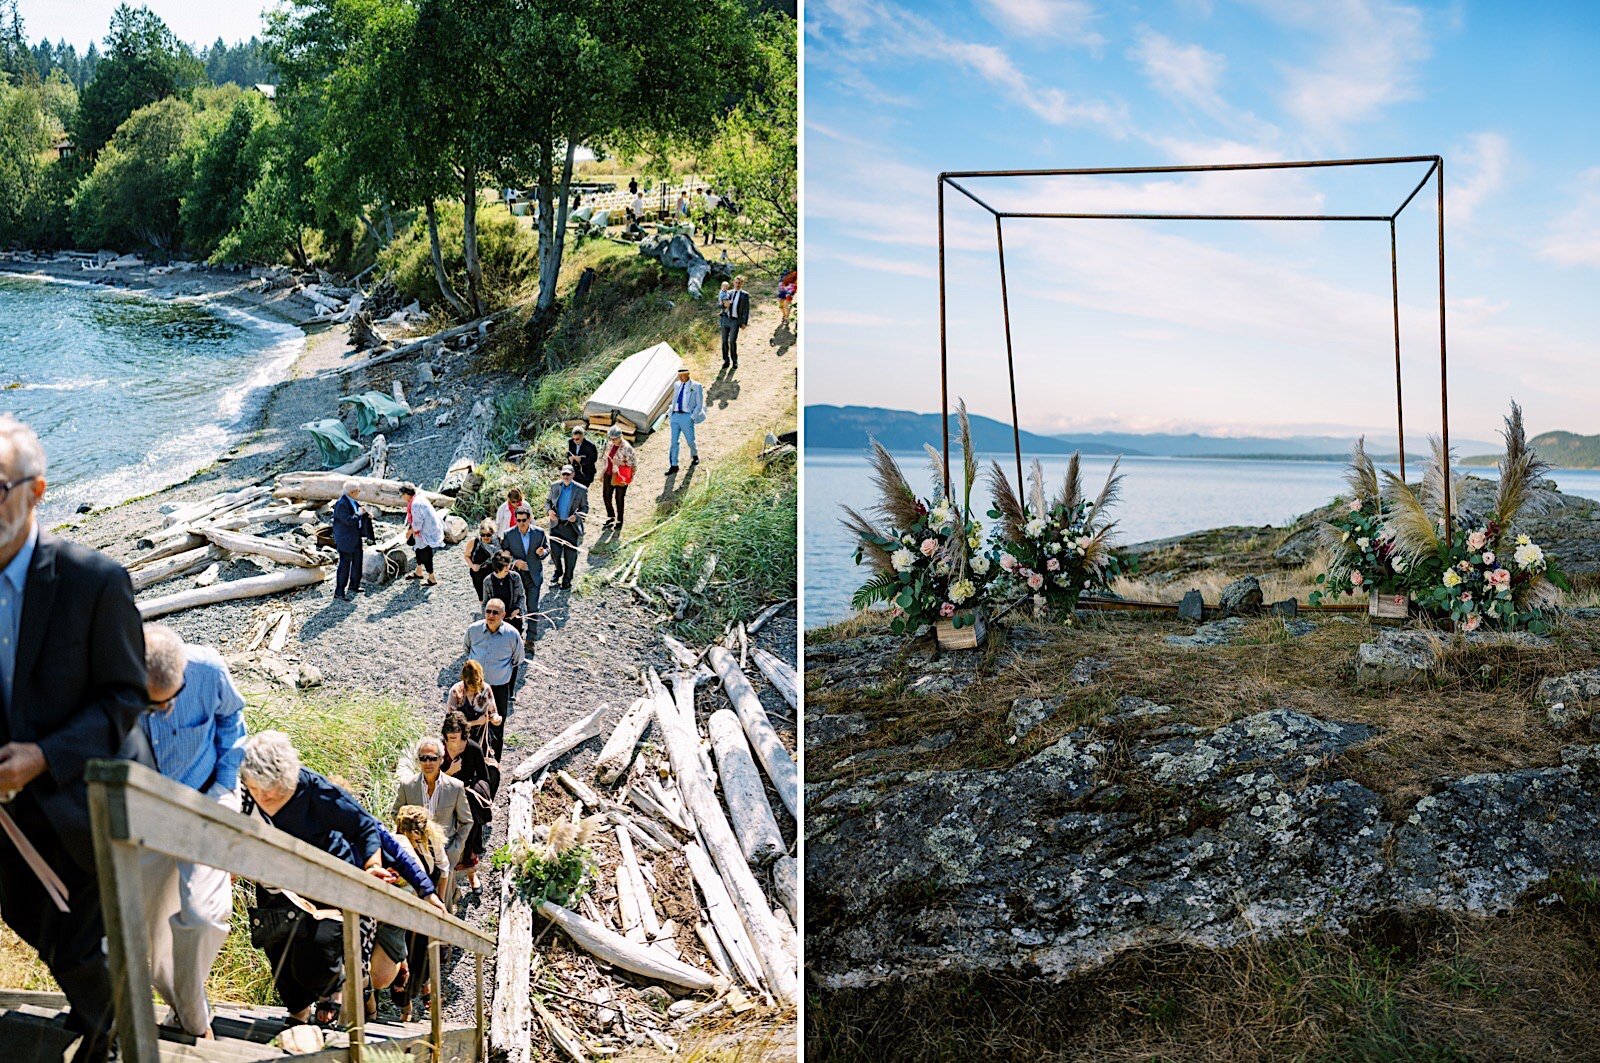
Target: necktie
<point>681,388</point>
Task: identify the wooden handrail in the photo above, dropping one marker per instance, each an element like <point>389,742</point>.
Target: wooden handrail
<point>135,811</point>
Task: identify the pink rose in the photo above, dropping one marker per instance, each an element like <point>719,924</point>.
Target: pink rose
<point>1357,579</point>
<point>1466,596</point>
<point>947,610</point>
<point>1477,540</point>
<point>1008,562</point>
<point>1035,581</point>
<point>1488,557</point>
<point>928,547</point>
<point>1355,505</point>
<point>1473,621</point>
<point>1500,578</point>
<point>1053,565</point>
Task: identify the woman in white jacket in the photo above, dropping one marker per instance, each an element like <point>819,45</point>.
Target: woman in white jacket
<point>424,530</point>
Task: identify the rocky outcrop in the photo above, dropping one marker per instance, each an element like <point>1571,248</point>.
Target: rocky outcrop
<point>1145,833</point>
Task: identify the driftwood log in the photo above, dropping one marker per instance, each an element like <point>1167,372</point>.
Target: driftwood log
<point>290,579</point>
<point>779,674</point>
<point>743,792</point>
<point>177,565</point>
<point>724,916</point>
<point>775,759</point>
<point>512,1020</point>
<point>416,345</point>
<point>618,951</point>
<point>778,965</point>
<point>617,753</point>
<point>327,486</point>
<point>271,549</point>
<point>573,736</point>
<point>462,475</point>
<point>786,884</point>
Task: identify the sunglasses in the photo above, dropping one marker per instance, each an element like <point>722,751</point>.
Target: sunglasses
<point>428,758</point>
<point>494,612</point>
<point>162,706</point>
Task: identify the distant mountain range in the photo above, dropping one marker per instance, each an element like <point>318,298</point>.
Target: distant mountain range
<point>1566,450</point>
<point>848,427</point>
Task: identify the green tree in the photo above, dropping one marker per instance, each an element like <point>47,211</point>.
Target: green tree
<point>228,163</point>
<point>24,138</point>
<point>143,63</point>
<point>16,58</point>
<point>132,196</point>
<point>590,72</point>
<point>755,155</point>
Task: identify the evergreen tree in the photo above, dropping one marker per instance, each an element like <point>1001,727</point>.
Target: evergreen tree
<point>143,63</point>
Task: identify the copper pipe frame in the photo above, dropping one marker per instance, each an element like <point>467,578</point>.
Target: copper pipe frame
<point>1435,172</point>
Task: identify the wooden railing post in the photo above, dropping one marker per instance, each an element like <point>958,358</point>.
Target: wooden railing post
<point>117,864</point>
<point>480,1050</point>
<point>355,1011</point>
<point>436,1005</point>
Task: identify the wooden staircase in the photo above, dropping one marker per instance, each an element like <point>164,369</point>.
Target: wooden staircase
<point>32,1031</point>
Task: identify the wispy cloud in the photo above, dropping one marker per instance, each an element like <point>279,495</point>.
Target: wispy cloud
<point>1574,239</point>
<point>1485,162</point>
<point>1070,20</point>
<point>874,34</point>
<point>1366,59</point>
<point>1186,73</point>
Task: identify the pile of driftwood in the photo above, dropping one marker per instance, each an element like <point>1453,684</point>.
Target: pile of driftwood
<point>332,302</point>
<point>695,902</point>
<point>277,528</point>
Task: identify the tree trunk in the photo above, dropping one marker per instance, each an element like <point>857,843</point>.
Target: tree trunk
<point>553,220</point>
<point>445,288</point>
<point>469,238</point>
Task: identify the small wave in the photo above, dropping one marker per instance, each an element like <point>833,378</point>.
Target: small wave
<point>82,384</point>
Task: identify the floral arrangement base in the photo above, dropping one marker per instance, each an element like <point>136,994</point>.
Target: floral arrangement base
<point>967,637</point>
<point>1388,606</point>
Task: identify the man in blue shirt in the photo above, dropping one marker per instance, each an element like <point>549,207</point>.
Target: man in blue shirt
<point>568,503</point>
<point>498,649</point>
<point>196,730</point>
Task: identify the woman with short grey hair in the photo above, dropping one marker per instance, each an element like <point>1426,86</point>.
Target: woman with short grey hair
<point>271,766</point>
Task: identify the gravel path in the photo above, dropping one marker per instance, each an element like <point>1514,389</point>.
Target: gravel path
<point>404,639</point>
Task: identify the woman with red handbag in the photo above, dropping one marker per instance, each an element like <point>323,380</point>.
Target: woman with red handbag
<point>616,475</point>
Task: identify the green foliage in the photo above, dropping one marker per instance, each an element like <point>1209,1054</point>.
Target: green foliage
<point>131,198</point>
<point>746,514</point>
<point>24,137</point>
<point>540,875</point>
<point>755,155</point>
<point>228,164</point>
<point>245,63</point>
<point>507,251</point>
<point>143,63</point>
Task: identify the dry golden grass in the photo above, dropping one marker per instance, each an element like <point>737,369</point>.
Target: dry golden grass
<point>1513,988</point>
<point>1477,713</point>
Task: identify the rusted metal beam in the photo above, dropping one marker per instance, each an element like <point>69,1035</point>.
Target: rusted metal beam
<point>1011,369</point>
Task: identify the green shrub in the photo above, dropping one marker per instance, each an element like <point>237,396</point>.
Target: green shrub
<point>507,250</point>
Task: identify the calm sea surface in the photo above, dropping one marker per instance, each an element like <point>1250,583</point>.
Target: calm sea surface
<point>1160,497</point>
<point>130,394</point>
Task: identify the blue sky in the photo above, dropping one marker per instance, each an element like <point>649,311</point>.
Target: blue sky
<point>1208,326</point>
<point>82,21</point>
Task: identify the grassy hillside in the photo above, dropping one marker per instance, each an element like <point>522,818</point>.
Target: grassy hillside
<point>1565,450</point>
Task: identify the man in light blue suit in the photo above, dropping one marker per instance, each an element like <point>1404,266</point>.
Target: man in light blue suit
<point>688,409</point>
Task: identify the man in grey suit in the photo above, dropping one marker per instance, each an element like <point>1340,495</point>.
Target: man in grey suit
<point>568,503</point>
<point>444,797</point>
<point>735,316</point>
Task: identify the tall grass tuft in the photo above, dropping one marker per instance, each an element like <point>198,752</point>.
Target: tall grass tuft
<point>747,515</point>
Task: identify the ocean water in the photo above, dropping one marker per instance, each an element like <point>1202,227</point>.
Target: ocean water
<point>130,393</point>
<point>1160,497</point>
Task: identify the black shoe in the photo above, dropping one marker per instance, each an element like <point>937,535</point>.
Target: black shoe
<point>672,470</point>
<point>695,460</point>
<point>566,586</point>
<point>339,595</point>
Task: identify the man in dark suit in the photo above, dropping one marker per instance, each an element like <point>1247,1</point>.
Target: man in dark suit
<point>735,316</point>
<point>72,686</point>
<point>351,524</point>
<point>527,546</point>
<point>581,455</point>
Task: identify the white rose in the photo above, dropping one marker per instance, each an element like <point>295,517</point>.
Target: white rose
<point>1363,543</point>
<point>1053,548</point>
<point>980,565</point>
<point>902,560</point>
<point>1034,528</point>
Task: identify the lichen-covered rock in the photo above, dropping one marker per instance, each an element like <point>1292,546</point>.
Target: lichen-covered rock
<point>1028,713</point>
<point>1242,597</point>
<point>1574,688</point>
<point>1094,846</point>
<point>1397,657</point>
<point>1222,632</point>
<point>1087,670</point>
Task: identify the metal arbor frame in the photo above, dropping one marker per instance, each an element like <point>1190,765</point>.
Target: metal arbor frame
<point>1435,172</point>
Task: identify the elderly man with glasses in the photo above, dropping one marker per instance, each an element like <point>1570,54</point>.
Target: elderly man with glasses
<point>527,546</point>
<point>72,686</point>
<point>445,798</point>
<point>498,649</point>
<point>568,503</point>
<point>196,730</point>
<point>582,455</point>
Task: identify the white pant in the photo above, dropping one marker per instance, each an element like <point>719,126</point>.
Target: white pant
<point>187,908</point>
